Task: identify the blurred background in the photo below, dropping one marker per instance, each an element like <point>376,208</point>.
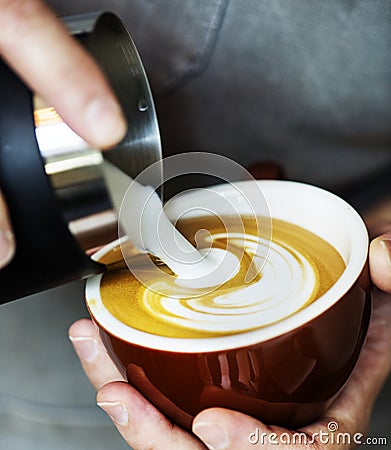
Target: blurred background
<point>304,84</point>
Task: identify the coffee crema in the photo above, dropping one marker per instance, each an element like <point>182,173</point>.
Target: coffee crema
<point>275,279</point>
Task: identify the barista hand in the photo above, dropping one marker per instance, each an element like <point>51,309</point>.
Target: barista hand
<point>35,43</point>
<point>378,221</point>
<point>7,246</point>
<point>39,48</point>
<point>143,427</point>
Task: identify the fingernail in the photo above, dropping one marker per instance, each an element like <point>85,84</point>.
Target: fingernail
<point>213,435</point>
<point>386,246</point>
<point>85,347</point>
<point>7,247</point>
<point>106,122</point>
<point>116,411</point>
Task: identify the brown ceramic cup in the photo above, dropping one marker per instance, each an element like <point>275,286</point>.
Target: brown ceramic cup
<point>286,373</point>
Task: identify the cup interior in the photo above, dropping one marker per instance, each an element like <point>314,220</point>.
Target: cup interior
<point>312,208</point>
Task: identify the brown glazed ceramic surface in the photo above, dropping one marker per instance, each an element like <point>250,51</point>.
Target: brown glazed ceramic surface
<point>288,381</point>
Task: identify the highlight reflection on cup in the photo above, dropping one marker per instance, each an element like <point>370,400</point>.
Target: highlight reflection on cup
<point>285,373</point>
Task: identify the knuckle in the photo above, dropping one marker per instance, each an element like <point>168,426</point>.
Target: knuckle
<point>17,17</point>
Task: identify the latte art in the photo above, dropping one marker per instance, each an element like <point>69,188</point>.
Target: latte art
<point>275,279</point>
<point>287,283</point>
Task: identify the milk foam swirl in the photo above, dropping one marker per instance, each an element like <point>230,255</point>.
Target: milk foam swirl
<point>277,276</point>
<point>288,281</point>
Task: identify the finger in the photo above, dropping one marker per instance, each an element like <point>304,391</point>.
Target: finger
<point>380,262</point>
<point>141,425</point>
<point>94,359</point>
<point>353,407</point>
<point>7,244</point>
<point>39,48</point>
<point>220,428</point>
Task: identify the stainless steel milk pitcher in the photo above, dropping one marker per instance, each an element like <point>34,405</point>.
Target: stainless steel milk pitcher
<point>59,203</point>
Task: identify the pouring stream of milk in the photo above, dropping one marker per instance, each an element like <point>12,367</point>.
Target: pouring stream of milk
<point>142,213</point>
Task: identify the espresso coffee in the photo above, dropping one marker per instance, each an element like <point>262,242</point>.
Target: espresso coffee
<point>275,279</point>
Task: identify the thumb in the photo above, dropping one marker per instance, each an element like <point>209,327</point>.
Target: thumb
<point>7,245</point>
<point>222,429</point>
<point>380,262</point>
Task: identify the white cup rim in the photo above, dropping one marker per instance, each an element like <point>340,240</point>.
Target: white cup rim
<point>358,258</point>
